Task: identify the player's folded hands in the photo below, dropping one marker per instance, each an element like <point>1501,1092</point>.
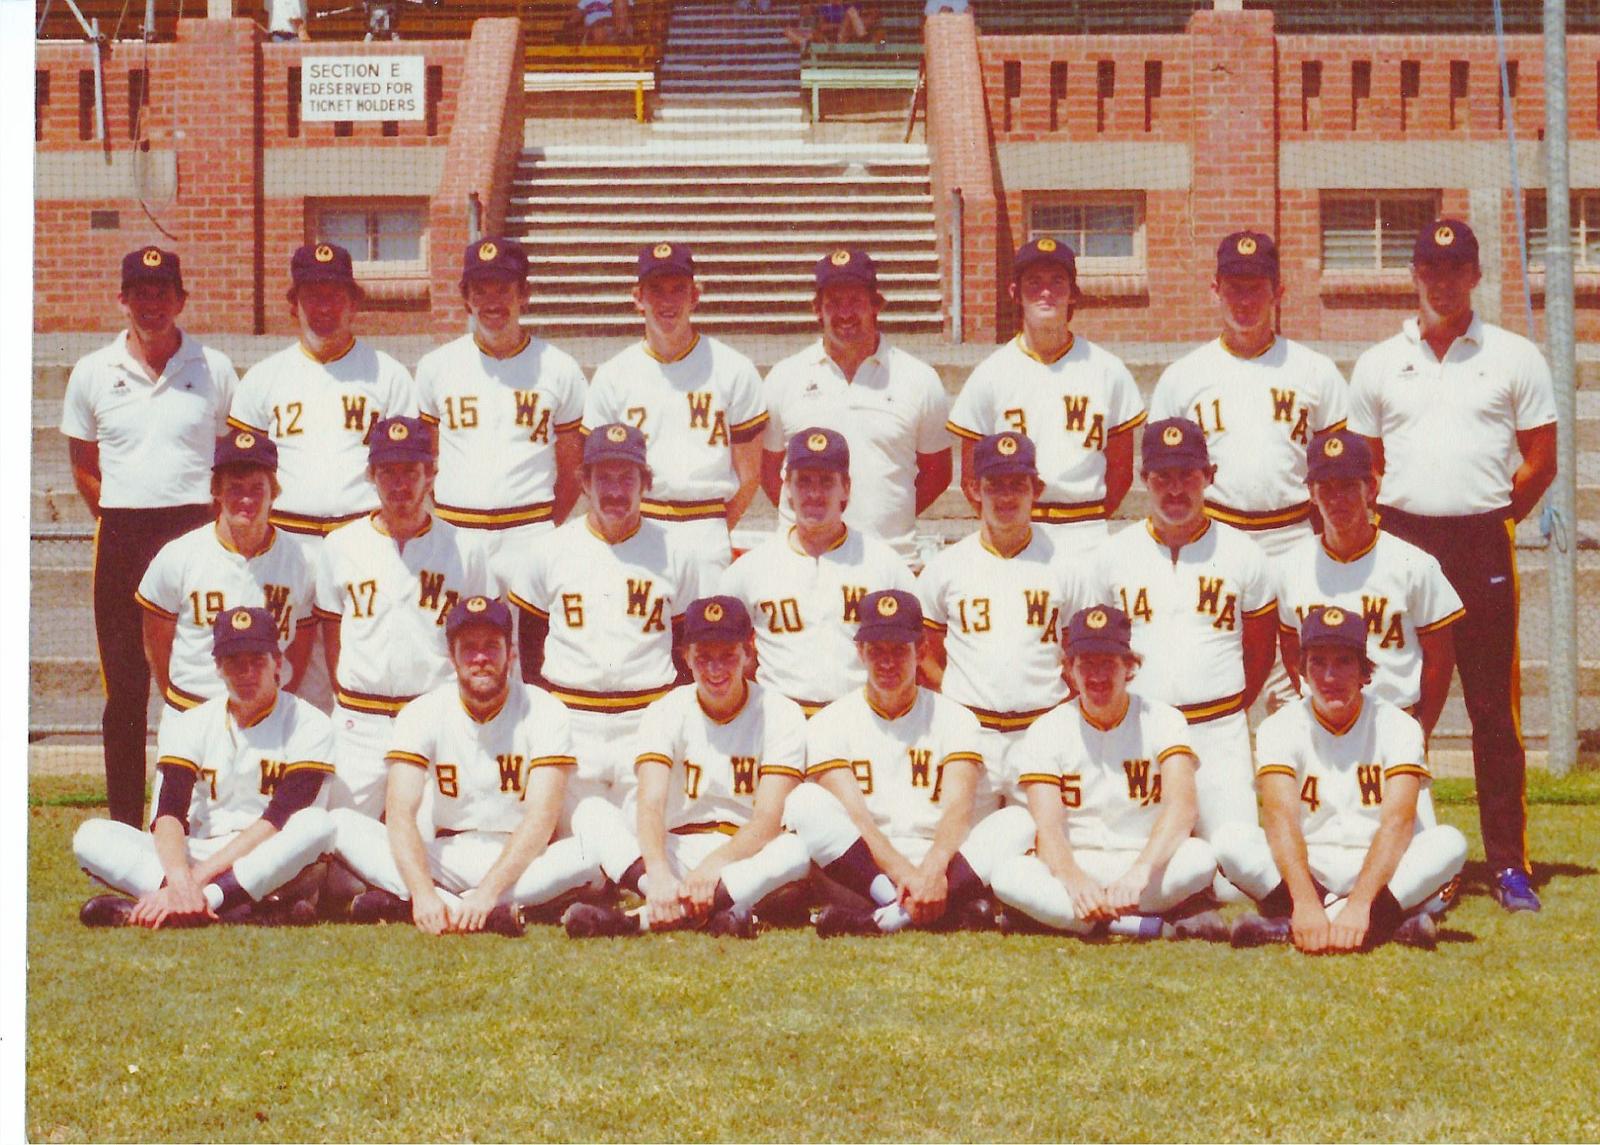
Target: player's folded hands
<point>429,914</point>
<point>471,913</point>
<point>1309,928</point>
<point>168,902</point>
<point>923,895</point>
<point>1349,930</point>
<point>1089,901</point>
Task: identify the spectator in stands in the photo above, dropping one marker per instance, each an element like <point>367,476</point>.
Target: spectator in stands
<point>602,21</point>
<point>286,20</point>
<point>833,23</point>
<point>934,7</point>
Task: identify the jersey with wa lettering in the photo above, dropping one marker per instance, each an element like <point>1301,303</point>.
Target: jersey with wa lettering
<point>805,610</point>
<point>717,764</point>
<point>897,761</point>
<point>1070,406</point>
<point>1400,590</point>
<point>1002,619</point>
<point>610,608</point>
<point>1341,774</point>
<point>691,410</point>
<point>237,766</point>
<point>497,420</point>
<point>1188,613</point>
<point>198,575</point>
<point>390,604</point>
<point>479,770</point>
<point>1110,777</point>
<point>319,414</point>
<point>1258,415</point>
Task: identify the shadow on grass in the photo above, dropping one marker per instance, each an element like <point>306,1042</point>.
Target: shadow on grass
<point>1477,875</point>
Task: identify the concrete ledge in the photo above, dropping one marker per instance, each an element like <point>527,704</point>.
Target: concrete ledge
<point>1426,164</point>
<point>117,174</point>
<point>346,171</point>
<point>1078,166</point>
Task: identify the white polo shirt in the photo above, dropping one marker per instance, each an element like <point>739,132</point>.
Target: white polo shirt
<point>892,410</point>
<point>1449,427</point>
<point>156,438</point>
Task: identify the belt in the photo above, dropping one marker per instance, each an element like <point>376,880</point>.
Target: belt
<point>312,526</point>
<point>1007,721</point>
<point>1207,710</point>
<point>368,703</point>
<point>508,518</point>
<point>1259,520</point>
<point>706,829</point>
<point>1063,512</point>
<point>1495,518</point>
<point>715,508</point>
<point>607,702</point>
<point>181,701</point>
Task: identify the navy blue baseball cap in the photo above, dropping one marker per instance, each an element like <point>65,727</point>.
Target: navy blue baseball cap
<point>1099,628</point>
<point>1044,250</point>
<point>243,630</point>
<point>847,265</point>
<point>1248,253</point>
<point>245,447</point>
<point>614,442</point>
<point>720,619</point>
<point>491,258</point>
<point>321,262</point>
<point>890,614</point>
<point>1008,452</point>
<point>1446,241</point>
<point>487,610</point>
<point>1173,443</point>
<point>151,264</point>
<point>665,258</point>
<point>818,448</point>
<point>400,439</point>
<point>1334,627</point>
<point>1336,455</point>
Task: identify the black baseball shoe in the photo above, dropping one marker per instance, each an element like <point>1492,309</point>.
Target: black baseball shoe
<point>379,906</point>
<point>1258,930</point>
<point>735,922</point>
<point>585,920</point>
<point>835,920</point>
<point>106,910</point>
<point>1419,930</point>
<point>506,920</point>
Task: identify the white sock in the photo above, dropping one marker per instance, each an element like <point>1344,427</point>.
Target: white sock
<point>213,895</point>
<point>891,918</point>
<point>1137,926</point>
<point>883,890</point>
<point>1335,908</point>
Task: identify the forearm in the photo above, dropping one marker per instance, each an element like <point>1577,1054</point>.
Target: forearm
<point>747,466</point>
<point>410,856</point>
<point>1056,854</point>
<point>1172,828</point>
<point>1528,484</point>
<point>1435,690</point>
<point>1383,856</point>
<point>158,635</point>
<point>330,647</point>
<point>1289,854</point>
<point>931,482</point>
<point>954,826</point>
<point>298,654</point>
<point>172,849</point>
<point>526,844</point>
<point>653,838</point>
<point>237,847</point>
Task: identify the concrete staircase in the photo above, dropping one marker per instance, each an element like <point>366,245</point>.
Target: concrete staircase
<point>729,74</point>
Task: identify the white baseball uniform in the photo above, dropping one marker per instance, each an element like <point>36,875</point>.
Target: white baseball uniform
<point>892,410</point>
<point>805,610</point>
<point>692,411</point>
<point>1188,619</point>
<point>1070,406</point>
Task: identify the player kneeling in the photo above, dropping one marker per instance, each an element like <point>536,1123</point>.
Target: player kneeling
<point>896,767</point>
<point>716,761</point>
<point>235,819</point>
<point>1343,862</point>
<point>1110,779</point>
<point>498,755</point>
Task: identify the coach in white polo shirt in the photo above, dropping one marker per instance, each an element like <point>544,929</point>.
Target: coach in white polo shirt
<point>141,417</point>
<point>889,406</point>
<point>1449,404</point>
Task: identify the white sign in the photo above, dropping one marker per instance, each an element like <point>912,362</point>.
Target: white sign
<point>361,87</point>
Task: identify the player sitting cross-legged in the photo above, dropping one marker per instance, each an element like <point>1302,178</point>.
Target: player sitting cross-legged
<point>1110,781</point>
<point>716,760</point>
<point>1343,862</point>
<point>236,818</point>
<point>497,753</point>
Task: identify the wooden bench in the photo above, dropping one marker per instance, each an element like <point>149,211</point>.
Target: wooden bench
<point>858,67</point>
<point>609,67</point>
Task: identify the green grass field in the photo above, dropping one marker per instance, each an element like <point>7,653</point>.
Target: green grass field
<point>349,1033</point>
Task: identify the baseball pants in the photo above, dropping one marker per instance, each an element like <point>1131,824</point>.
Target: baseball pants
<point>1225,782</point>
<point>125,542</point>
<point>605,747</point>
<point>124,857</point>
<point>1434,857</point>
<point>459,862</point>
<point>1277,691</point>
<point>360,776</point>
<point>1480,562</point>
<point>707,538</point>
<point>1080,537</point>
<point>607,834</point>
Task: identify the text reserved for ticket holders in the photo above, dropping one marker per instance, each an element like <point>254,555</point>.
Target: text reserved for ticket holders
<point>362,87</point>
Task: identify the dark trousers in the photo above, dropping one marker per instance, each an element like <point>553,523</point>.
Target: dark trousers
<point>1479,560</point>
<point>125,542</point>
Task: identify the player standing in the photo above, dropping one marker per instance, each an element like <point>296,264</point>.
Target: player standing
<point>698,403</point>
<point>805,585</point>
<point>889,407</point>
<point>141,417</point>
<point>1077,401</point>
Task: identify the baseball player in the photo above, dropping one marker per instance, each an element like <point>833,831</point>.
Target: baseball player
<point>240,560</point>
<point>386,584</point>
<point>716,760</point>
<point>239,812</point>
<point>141,417</point>
<point>1077,401</point>
<point>895,767</point>
<point>1202,603</point>
<point>496,753</point>
<point>602,602</point>
<point>889,407</point>
<point>507,407</point>
<point>1448,404</point>
<point>696,400</point>
<point>1110,782</point>
<point>1343,861</point>
<point>804,586</point>
<point>994,604</point>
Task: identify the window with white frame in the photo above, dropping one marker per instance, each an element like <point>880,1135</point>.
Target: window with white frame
<point>1585,224</point>
<point>382,236</point>
<point>1105,229</point>
<point>1363,230</point>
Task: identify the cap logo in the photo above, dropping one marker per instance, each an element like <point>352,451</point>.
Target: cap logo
<point>1172,435</point>
<point>1046,245</point>
<point>663,250</point>
<point>1096,619</point>
<point>323,253</point>
<point>152,258</point>
<point>477,604</point>
<point>840,258</point>
<point>1247,245</point>
<point>888,606</point>
<point>616,434</point>
<point>487,252</point>
<point>1444,236</point>
<point>1006,446</point>
<point>713,612</point>
<point>398,432</point>
<point>1332,617</point>
<point>244,440</point>
<point>817,442</point>
<point>1333,447</point>
<point>241,621</point>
